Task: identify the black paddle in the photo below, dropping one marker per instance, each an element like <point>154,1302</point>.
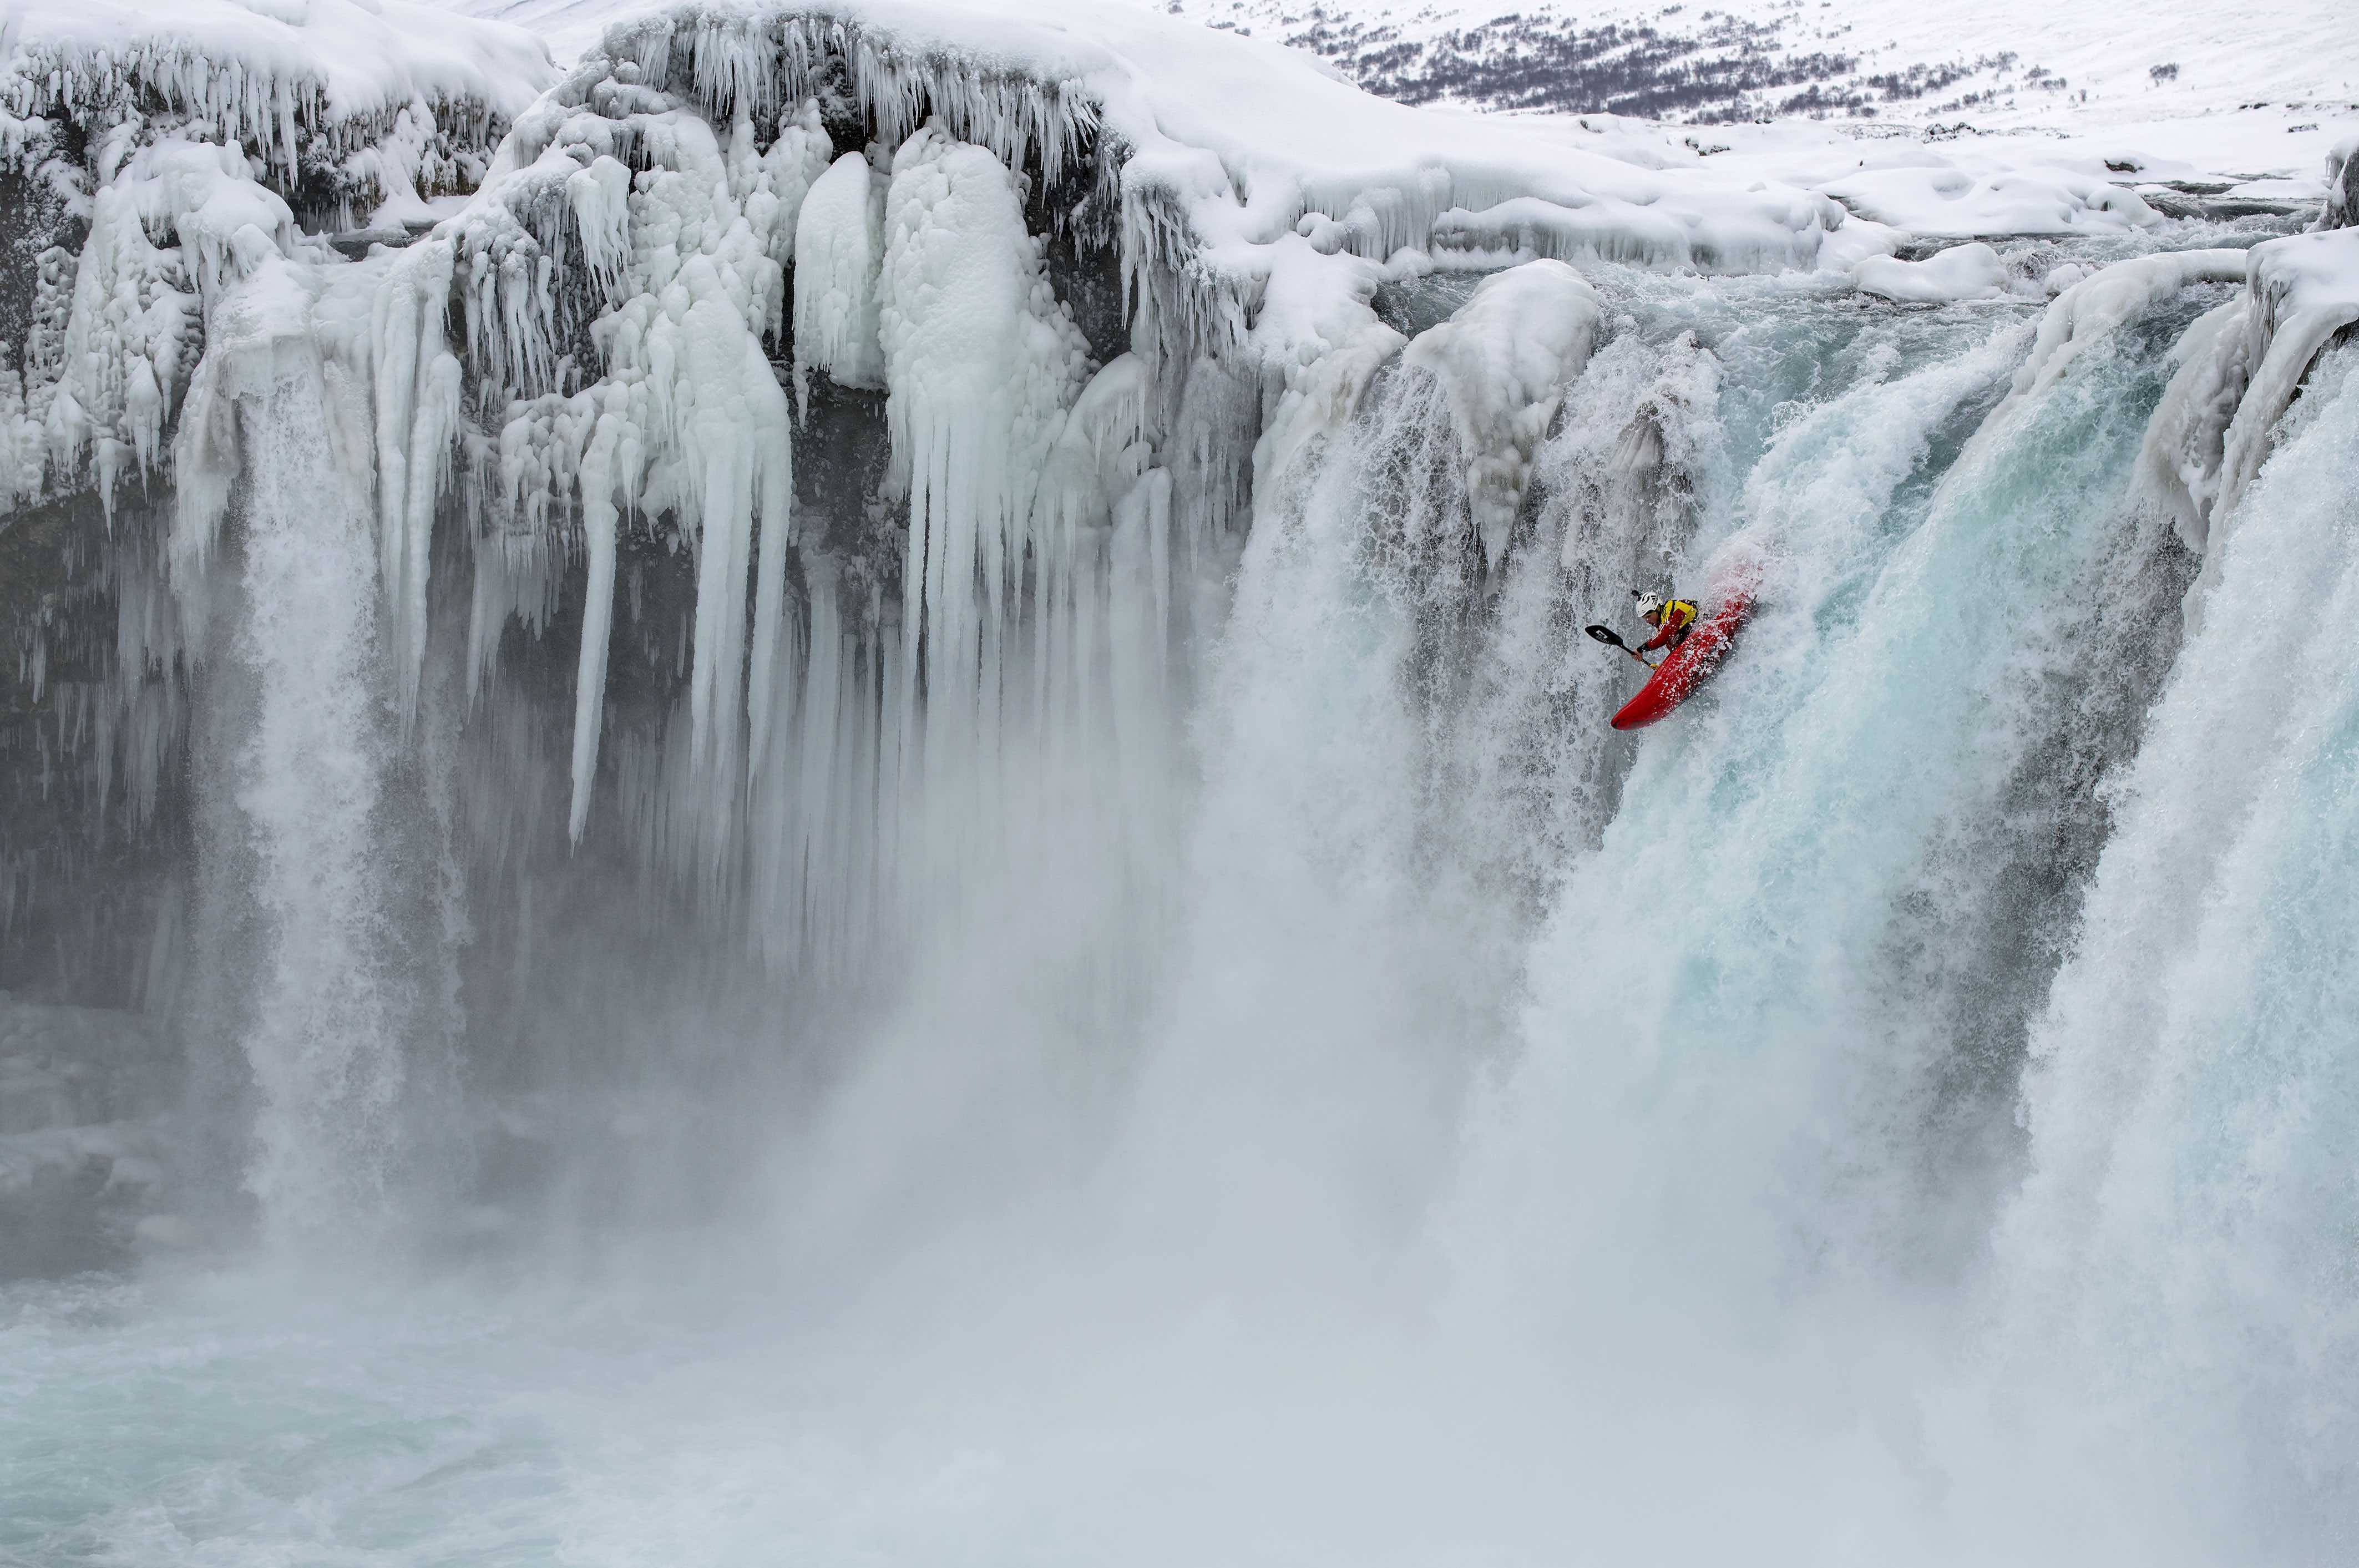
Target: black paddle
<point>1606,634</point>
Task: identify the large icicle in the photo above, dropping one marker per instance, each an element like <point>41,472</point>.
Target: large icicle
<point>981,363</point>
<point>686,266</point>
<point>418,397</point>
<point>838,252</point>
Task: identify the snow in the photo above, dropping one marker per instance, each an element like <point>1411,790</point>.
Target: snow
<point>1951,201</point>
<point>1247,139</point>
<point>181,135</point>
<point>1961,272</point>
<point>268,71</point>
<point>2026,62</point>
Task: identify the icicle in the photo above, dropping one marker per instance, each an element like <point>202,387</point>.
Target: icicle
<point>775,506</point>
<point>1139,597</point>
<point>418,402</point>
<point>601,524</point>
<point>839,249</point>
<point>981,363</point>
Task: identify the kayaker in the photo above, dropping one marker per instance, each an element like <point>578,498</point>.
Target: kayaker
<point>1671,618</point>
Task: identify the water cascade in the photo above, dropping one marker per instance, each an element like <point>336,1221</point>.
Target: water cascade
<point>860,821</point>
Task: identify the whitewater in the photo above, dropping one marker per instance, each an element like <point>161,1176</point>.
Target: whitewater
<point>823,802</point>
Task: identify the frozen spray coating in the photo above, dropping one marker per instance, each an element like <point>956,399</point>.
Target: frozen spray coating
<point>1063,891</point>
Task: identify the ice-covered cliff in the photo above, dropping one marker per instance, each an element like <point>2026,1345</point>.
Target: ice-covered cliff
<point>869,400</point>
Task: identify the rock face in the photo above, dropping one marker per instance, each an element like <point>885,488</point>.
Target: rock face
<point>84,1147</point>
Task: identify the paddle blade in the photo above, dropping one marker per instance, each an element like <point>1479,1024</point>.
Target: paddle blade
<point>1606,634</point>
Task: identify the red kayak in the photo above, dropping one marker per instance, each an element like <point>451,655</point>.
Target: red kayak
<point>1688,665</point>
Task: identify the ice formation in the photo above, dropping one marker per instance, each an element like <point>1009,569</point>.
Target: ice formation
<point>583,370</point>
<point>2341,208</point>
<point>143,147</point>
<point>840,249</point>
<point>1505,359</point>
<point>1971,271</point>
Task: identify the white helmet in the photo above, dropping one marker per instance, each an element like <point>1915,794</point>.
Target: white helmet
<point>1650,604</point>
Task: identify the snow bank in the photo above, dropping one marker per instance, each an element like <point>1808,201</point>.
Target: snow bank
<point>1963,272</point>
<point>1951,202</point>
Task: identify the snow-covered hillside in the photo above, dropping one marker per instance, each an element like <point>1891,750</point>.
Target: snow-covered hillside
<point>1992,64</point>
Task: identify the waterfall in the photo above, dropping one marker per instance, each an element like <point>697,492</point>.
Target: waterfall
<point>899,784</point>
<point>308,784</point>
<point>2178,1260</point>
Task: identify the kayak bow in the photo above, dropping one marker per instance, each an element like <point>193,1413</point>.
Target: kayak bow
<point>1688,665</point>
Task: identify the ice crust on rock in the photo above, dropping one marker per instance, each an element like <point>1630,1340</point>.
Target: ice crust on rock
<point>169,139</point>
<point>2342,207</point>
<point>2302,294</point>
<point>2089,311</point>
<point>384,99</point>
<point>1505,359</point>
<point>2238,367</point>
<point>2178,461</point>
<point>1971,271</point>
<point>840,253</point>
